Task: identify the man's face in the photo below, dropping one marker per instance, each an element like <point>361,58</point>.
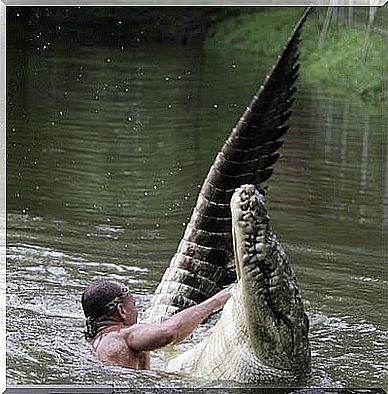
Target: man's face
<point>130,310</point>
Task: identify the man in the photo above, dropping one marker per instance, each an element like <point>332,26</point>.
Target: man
<point>117,338</point>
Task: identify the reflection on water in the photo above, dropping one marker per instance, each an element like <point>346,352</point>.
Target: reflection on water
<point>106,149</point>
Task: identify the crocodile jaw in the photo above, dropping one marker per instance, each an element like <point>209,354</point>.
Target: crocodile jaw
<point>249,224</point>
<point>275,318</point>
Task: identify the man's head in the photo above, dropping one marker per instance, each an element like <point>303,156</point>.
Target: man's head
<point>105,302</point>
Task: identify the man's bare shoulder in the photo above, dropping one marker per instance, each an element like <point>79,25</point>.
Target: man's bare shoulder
<point>112,345</point>
<point>125,333</point>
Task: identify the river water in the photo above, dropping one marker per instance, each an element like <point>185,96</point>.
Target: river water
<point>106,149</point>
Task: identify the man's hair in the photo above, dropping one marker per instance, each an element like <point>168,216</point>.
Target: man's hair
<point>99,300</point>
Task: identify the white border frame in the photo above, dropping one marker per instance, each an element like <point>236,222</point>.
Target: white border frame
<point>3,99</point>
<point>3,196</point>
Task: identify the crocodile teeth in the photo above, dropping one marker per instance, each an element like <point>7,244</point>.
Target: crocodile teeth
<point>247,226</point>
<point>253,259</point>
<point>251,249</point>
<point>260,236</point>
<point>247,216</point>
<point>245,258</point>
<point>244,205</point>
<point>260,276</point>
<point>261,256</point>
<point>253,203</point>
<point>259,247</point>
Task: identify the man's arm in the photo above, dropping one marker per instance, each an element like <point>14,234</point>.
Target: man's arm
<point>150,337</point>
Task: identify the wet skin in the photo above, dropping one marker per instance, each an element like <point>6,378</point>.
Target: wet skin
<point>127,343</point>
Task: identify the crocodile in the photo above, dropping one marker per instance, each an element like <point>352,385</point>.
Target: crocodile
<point>262,335</point>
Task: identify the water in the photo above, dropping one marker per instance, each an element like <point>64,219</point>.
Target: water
<point>106,148</point>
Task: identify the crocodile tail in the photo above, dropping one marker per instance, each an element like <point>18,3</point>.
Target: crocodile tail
<point>203,261</point>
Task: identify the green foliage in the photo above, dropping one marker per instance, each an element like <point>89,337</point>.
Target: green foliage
<point>339,63</point>
<point>262,30</point>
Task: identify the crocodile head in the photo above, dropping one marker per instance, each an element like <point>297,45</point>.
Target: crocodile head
<point>275,318</point>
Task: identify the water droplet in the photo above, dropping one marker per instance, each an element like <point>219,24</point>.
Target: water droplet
<point>177,204</point>
<point>130,119</point>
<point>122,47</point>
<point>234,66</point>
<point>13,129</point>
<point>126,246</point>
<point>155,187</point>
<point>215,105</point>
<point>37,187</point>
<point>169,105</point>
<point>109,173</point>
<point>108,220</point>
<point>96,97</point>
<point>183,224</point>
<point>167,78</point>
<point>126,89</point>
<point>157,225</point>
<point>60,113</point>
<point>146,193</point>
<point>52,123</point>
<point>120,22</point>
<point>17,195</point>
<point>108,60</point>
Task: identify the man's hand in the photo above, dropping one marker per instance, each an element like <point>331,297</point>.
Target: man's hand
<point>219,299</point>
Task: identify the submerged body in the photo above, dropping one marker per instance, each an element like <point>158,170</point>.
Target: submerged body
<point>262,335</point>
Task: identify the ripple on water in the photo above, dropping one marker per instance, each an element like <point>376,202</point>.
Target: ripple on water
<point>338,344</point>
